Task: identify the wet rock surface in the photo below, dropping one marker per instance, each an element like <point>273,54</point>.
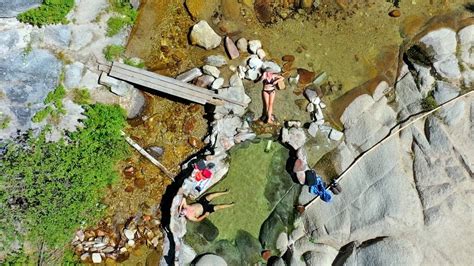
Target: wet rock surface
<point>14,7</point>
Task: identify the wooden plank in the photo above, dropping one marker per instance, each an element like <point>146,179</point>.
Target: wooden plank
<point>175,82</point>
<point>154,86</point>
<point>160,86</point>
<point>167,85</point>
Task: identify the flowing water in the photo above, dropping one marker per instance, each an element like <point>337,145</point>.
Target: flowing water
<point>356,44</point>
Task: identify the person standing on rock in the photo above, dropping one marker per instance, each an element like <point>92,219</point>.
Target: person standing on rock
<point>200,210</point>
<point>270,81</point>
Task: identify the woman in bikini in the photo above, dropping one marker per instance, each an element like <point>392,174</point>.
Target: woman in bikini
<point>270,81</point>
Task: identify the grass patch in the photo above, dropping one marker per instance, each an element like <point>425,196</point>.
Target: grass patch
<point>42,114</point>
<point>134,62</point>
<point>50,12</point>
<point>50,189</point>
<point>113,52</point>
<point>126,16</point>
<point>54,102</point>
<point>429,102</point>
<point>5,121</point>
<point>81,96</point>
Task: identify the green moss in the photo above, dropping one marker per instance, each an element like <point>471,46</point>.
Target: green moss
<point>429,102</point>
<point>4,121</point>
<point>134,63</point>
<point>53,188</point>
<point>113,52</point>
<point>56,96</point>
<point>42,114</point>
<point>81,96</point>
<point>50,12</point>
<point>126,16</point>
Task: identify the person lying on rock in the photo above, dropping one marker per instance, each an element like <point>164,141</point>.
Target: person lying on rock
<point>202,208</point>
<point>270,81</point>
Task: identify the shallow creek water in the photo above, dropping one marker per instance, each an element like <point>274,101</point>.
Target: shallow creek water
<point>353,44</point>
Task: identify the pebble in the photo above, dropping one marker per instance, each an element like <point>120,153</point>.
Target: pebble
<point>252,74</point>
<point>231,49</point>
<point>395,13</point>
<point>96,258</point>
<point>203,35</point>
<point>216,60</point>
<point>288,58</point>
<point>217,84</point>
<point>232,68</point>
<point>241,71</point>
<point>261,53</point>
<point>242,44</point>
<point>131,243</point>
<point>204,81</point>
<point>311,95</point>
<point>313,129</point>
<point>189,75</point>
<point>310,108</point>
<point>211,70</point>
<point>85,256</point>
<point>129,234</point>
<point>254,62</point>
<point>254,45</point>
<point>335,135</point>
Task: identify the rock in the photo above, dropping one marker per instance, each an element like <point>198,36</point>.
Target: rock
<point>235,81</point>
<point>272,66</point>
<point>252,74</point>
<point>254,45</point>
<point>217,84</point>
<point>155,151</point>
<point>119,87</point>
<point>300,165</point>
<point>466,42</point>
<point>395,13</point>
<point>129,234</point>
<point>242,45</point>
<point>216,60</point>
<point>73,74</point>
<point>58,35</point>
<point>203,35</point>
<point>204,81</point>
<point>90,80</point>
<point>448,68</point>
<point>96,258</point>
<point>282,243</point>
<point>295,137</point>
<point>336,135</point>
<point>356,108</point>
<point>254,62</point>
<point>211,70</point>
<point>135,4</point>
<point>82,36</point>
<point>444,92</point>
<point>85,256</point>
<point>236,93</point>
<point>10,9</point>
<point>241,71</point>
<point>380,90</point>
<point>210,259</point>
<point>440,43</point>
<point>310,107</point>
<point>313,129</point>
<point>189,75</point>
<point>230,48</point>
<point>311,95</point>
<point>261,53</point>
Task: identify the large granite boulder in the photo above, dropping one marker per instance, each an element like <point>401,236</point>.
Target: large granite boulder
<point>11,8</point>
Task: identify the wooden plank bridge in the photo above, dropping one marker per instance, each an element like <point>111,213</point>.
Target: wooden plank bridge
<point>165,84</point>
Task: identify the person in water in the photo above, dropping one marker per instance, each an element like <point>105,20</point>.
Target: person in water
<point>270,81</point>
<point>198,211</point>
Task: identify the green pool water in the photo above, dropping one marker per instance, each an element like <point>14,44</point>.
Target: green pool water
<point>257,181</point>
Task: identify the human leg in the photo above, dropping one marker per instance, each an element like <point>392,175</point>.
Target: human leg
<point>271,99</point>
<point>214,195</point>
<point>222,206</point>
<point>266,99</point>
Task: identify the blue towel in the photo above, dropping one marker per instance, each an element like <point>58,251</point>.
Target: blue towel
<point>319,189</point>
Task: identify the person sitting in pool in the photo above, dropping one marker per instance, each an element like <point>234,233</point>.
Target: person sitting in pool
<point>202,208</point>
<point>270,81</point>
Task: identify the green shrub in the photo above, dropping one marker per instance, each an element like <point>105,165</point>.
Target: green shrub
<point>50,12</point>
<point>53,188</point>
<point>113,52</point>
<point>126,16</point>
<point>81,96</point>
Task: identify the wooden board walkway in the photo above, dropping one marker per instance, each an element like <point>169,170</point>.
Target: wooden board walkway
<point>165,84</point>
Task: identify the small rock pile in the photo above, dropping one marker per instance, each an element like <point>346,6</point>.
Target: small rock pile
<point>315,107</point>
<point>98,245</point>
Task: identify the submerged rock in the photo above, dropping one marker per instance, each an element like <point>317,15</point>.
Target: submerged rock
<point>216,60</point>
<point>10,9</point>
<point>203,35</point>
<point>210,259</point>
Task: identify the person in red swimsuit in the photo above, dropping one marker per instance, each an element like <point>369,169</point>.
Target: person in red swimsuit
<point>270,81</point>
